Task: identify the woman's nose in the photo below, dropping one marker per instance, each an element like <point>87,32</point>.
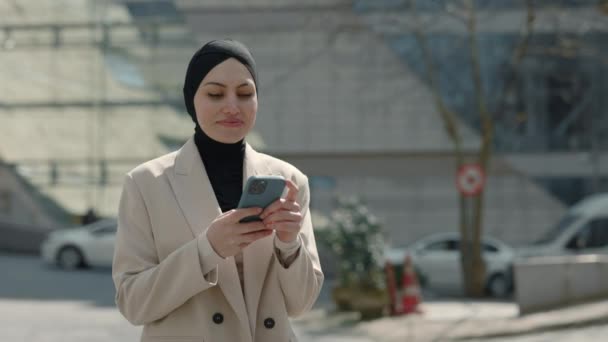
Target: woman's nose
<point>231,106</point>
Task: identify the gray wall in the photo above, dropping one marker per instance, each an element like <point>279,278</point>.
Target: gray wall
<point>416,195</point>
<point>18,203</point>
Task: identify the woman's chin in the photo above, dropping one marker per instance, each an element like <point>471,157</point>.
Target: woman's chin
<point>228,138</point>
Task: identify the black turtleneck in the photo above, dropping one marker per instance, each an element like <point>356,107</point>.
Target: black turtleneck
<point>224,166</point>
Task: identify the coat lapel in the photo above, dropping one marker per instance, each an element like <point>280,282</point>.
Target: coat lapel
<point>256,256</point>
<point>199,205</point>
<point>193,189</point>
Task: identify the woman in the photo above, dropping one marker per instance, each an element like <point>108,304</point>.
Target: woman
<point>183,265</point>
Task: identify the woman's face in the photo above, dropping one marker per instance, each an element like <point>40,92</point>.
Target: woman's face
<point>226,102</point>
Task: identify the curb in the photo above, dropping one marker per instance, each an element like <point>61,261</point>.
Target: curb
<point>465,329</point>
<point>603,319</point>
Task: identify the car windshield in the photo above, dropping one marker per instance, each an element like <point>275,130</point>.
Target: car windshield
<point>559,228</point>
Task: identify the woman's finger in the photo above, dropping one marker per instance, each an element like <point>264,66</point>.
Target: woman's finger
<point>292,191</point>
<point>286,226</point>
<point>237,215</point>
<point>291,197</point>
<point>254,236</point>
<point>246,228</point>
<point>274,207</point>
<point>288,206</point>
<point>283,215</point>
<point>279,205</point>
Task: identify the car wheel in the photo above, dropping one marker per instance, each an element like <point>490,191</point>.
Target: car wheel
<point>498,286</point>
<point>70,258</point>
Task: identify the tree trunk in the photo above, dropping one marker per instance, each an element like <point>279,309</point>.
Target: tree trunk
<point>473,264</point>
<point>471,208</point>
<point>465,250</point>
<point>478,266</point>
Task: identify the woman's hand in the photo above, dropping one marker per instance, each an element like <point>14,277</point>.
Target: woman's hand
<point>228,237</point>
<point>284,215</point>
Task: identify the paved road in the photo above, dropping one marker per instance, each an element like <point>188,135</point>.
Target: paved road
<point>27,278</point>
<point>39,303</point>
<point>589,334</point>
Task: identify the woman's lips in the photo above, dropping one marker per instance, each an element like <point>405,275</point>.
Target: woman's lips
<point>231,123</point>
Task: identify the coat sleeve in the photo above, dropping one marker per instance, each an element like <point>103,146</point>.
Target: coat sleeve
<point>301,281</point>
<point>148,289</point>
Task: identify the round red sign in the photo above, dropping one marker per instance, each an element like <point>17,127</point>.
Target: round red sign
<point>470,179</point>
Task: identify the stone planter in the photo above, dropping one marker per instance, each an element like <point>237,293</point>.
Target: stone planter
<point>342,297</point>
<point>370,303</point>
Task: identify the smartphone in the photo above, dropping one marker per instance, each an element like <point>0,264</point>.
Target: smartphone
<point>261,191</point>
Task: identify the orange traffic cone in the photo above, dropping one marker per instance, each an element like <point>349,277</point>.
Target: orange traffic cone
<point>411,296</point>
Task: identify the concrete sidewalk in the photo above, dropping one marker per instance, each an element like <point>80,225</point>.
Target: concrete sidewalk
<point>452,320</point>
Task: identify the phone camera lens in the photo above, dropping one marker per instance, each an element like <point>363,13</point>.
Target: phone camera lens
<point>258,187</point>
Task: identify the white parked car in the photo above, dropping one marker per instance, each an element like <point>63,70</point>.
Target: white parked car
<point>436,259</point>
<point>90,245</point>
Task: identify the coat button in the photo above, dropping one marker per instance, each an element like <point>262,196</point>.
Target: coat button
<point>269,323</point>
<point>218,318</point>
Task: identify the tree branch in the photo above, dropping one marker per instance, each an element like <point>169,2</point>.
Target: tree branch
<point>517,58</point>
<point>588,52</point>
<point>480,97</point>
<point>451,126</point>
<point>447,116</point>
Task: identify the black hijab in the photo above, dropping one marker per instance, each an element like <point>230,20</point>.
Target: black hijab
<point>223,162</point>
<point>207,58</point>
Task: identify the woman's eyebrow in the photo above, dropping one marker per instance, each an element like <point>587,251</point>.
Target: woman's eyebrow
<point>223,85</point>
<point>215,83</point>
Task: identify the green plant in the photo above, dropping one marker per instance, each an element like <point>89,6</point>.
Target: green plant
<point>355,237</point>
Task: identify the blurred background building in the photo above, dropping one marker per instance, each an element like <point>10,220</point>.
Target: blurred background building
<point>92,88</point>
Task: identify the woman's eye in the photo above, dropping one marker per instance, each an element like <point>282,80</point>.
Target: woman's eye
<point>215,96</point>
<point>246,95</point>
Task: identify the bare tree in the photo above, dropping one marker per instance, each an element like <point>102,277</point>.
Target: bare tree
<point>471,208</point>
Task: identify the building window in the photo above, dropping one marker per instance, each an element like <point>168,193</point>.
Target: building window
<point>567,107</point>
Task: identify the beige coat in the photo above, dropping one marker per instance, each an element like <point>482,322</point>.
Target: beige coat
<point>169,279</point>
